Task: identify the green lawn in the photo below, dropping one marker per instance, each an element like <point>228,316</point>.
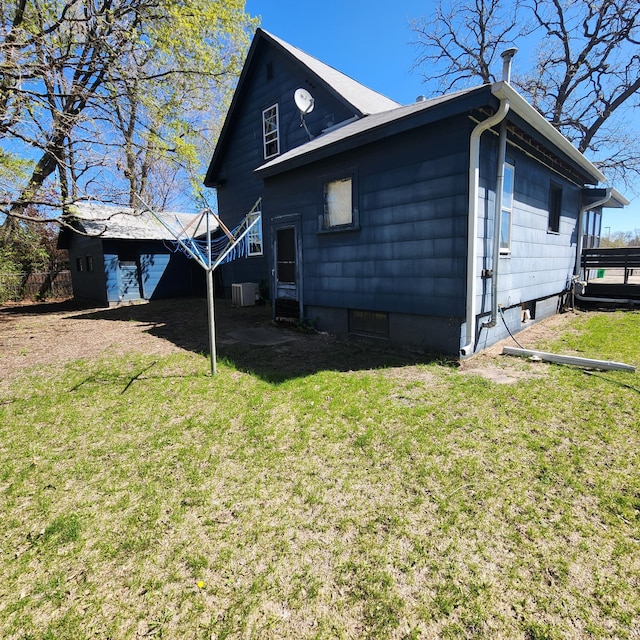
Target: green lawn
<point>142,498</point>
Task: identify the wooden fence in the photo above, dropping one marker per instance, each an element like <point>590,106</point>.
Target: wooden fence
<point>35,286</point>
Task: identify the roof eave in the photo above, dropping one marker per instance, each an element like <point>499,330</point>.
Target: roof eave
<point>261,35</point>
<point>520,106</point>
<point>405,123</point>
<point>209,179</point>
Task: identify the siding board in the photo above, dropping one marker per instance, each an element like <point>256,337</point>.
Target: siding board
<point>408,254</point>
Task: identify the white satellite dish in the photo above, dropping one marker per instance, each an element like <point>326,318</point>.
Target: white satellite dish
<point>304,101</point>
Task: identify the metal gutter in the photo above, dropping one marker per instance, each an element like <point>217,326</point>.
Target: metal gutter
<point>503,91</point>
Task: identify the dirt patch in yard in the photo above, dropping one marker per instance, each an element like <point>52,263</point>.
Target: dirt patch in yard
<point>492,365</point>
<point>58,332</point>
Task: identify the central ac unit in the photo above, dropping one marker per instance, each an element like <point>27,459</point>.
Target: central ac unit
<point>244,294</point>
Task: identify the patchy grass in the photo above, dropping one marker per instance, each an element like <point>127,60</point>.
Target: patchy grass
<point>141,497</point>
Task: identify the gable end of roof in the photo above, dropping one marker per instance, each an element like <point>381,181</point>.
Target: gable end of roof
<point>360,99</point>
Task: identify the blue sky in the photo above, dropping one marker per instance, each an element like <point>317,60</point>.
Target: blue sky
<point>370,40</point>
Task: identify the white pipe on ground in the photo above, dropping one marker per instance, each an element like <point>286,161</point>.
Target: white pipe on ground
<point>628,301</point>
<point>572,360</point>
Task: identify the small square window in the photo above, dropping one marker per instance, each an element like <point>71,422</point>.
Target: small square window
<point>555,207</point>
<point>338,203</point>
<point>270,132</point>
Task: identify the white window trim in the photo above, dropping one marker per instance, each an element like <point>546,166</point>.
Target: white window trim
<point>269,137</point>
<point>507,250</point>
<point>256,232</point>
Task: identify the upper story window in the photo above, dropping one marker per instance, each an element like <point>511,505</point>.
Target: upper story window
<point>507,208</point>
<point>255,234</point>
<point>555,207</point>
<point>270,132</point>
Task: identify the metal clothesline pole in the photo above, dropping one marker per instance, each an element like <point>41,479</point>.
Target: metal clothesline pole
<point>210,302</point>
<point>207,262</point>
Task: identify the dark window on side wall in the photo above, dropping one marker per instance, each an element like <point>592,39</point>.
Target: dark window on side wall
<point>79,264</point>
<point>269,71</point>
<point>555,207</point>
<point>89,260</point>
<point>369,323</point>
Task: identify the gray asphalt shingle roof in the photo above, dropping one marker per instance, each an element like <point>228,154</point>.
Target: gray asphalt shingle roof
<point>125,223</point>
<point>365,100</point>
<point>374,124</point>
<point>364,125</point>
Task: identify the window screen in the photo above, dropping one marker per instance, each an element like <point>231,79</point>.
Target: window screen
<point>286,255</point>
<point>338,203</point>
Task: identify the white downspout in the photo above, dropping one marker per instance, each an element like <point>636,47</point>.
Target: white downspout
<point>472,223</point>
<point>497,227</point>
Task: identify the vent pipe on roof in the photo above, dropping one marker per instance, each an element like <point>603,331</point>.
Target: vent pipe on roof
<point>507,57</point>
<point>421,99</point>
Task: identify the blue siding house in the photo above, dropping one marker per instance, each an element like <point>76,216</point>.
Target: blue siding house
<point>438,224</point>
<point>120,256</point>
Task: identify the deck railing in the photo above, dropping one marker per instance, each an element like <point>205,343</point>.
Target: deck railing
<point>627,258</point>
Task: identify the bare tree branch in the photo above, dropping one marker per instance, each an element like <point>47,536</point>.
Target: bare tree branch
<point>99,95</point>
<point>586,75</point>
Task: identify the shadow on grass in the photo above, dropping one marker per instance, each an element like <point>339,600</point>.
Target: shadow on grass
<point>127,381</point>
<point>43,308</point>
<point>303,358</point>
<point>293,352</point>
